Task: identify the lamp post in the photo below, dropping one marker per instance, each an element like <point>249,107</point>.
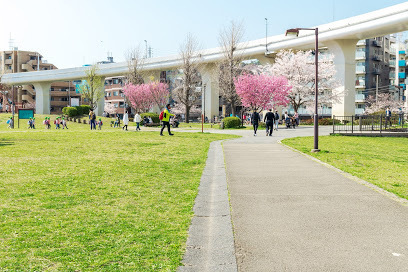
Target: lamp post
<point>295,31</point>
<point>203,108</point>
<point>146,49</point>
<point>266,35</point>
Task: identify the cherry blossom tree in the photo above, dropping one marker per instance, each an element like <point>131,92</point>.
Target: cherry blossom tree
<point>262,91</point>
<point>383,101</point>
<point>144,96</point>
<point>159,93</point>
<point>139,96</point>
<point>299,68</point>
<point>110,108</point>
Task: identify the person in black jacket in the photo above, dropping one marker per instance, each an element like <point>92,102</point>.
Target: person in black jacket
<point>255,118</point>
<point>269,119</point>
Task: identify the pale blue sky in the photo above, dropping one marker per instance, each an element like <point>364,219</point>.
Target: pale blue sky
<point>70,33</point>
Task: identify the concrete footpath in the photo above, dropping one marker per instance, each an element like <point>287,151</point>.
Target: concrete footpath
<point>291,213</point>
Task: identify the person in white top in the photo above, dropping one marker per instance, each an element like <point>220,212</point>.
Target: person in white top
<point>125,120</point>
<point>137,119</point>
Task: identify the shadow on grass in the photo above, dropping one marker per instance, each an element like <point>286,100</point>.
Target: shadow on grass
<point>4,143</point>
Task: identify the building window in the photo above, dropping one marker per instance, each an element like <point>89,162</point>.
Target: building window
<point>115,93</point>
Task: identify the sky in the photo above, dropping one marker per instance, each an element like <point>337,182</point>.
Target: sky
<point>71,33</point>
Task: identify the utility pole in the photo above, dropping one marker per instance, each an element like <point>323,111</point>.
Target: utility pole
<point>38,61</point>
<point>266,35</point>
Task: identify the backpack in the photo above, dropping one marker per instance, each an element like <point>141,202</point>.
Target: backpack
<point>161,115</point>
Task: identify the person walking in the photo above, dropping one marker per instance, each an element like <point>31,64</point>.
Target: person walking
<point>92,118</point>
<point>125,120</point>
<point>64,123</point>
<point>100,123</point>
<point>166,120</point>
<point>269,119</point>
<point>255,118</point>
<point>387,117</point>
<point>276,120</point>
<point>296,116</point>
<point>137,120</point>
<point>400,117</point>
<point>7,108</point>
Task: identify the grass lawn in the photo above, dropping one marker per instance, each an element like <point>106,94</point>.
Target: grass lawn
<point>81,200</point>
<point>380,160</point>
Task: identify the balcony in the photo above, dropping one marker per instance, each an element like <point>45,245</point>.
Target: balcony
<point>361,42</point>
<point>360,55</point>
<point>376,58</point>
<point>401,63</point>
<point>392,75</point>
<point>8,61</point>
<point>377,43</point>
<point>401,75</point>
<point>360,98</point>
<point>401,52</point>
<point>360,83</point>
<point>359,111</point>
<point>360,70</point>
<point>376,71</point>
<point>60,103</point>
<point>392,63</point>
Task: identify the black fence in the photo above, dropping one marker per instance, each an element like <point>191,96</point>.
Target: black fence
<point>370,123</point>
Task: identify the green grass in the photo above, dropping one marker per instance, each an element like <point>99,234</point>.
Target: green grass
<point>110,200</point>
<point>381,161</point>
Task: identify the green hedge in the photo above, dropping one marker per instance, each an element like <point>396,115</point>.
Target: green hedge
<point>232,122</point>
<point>83,109</point>
<point>322,121</point>
<point>154,116</point>
<point>70,111</point>
<point>77,110</point>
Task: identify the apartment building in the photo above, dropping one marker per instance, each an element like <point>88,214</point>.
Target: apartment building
<point>114,93</point>
<point>18,61</point>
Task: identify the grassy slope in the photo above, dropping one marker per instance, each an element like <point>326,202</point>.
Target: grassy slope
<point>381,161</point>
<point>97,200</point>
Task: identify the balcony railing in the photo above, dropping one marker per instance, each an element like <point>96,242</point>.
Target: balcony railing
<point>376,71</point>
<point>392,63</point>
<point>359,111</point>
<point>401,63</point>
<point>360,69</point>
<point>360,97</point>
<point>376,58</point>
<point>376,43</point>
<point>401,75</point>
<point>360,83</point>
<point>360,55</point>
<point>361,42</point>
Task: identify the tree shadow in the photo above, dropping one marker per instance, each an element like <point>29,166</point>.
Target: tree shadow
<point>4,143</point>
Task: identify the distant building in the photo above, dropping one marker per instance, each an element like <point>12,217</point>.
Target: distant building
<point>18,61</point>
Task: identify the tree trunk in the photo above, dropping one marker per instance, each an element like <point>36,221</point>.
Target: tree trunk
<point>187,114</point>
<point>233,108</point>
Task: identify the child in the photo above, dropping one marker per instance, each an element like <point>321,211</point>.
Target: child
<point>100,124</point>
<point>64,123</point>
<point>33,123</point>
<point>48,122</point>
<point>10,123</point>
<point>30,123</point>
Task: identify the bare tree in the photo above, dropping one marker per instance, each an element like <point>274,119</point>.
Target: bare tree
<point>135,64</point>
<point>230,66</point>
<point>92,90</point>
<point>186,91</point>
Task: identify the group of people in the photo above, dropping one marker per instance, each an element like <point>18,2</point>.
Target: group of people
<point>31,123</point>
<point>58,122</point>
<point>270,119</point>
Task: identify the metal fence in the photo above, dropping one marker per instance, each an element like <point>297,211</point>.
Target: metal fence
<point>370,123</point>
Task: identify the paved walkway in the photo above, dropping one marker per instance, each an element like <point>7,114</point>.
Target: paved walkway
<point>290,213</point>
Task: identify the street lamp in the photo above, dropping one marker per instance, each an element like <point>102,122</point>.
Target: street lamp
<point>203,107</point>
<point>146,49</point>
<point>295,32</point>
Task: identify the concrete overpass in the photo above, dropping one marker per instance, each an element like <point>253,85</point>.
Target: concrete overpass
<point>340,37</point>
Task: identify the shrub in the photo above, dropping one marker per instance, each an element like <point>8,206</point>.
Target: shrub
<point>232,122</point>
<point>322,121</point>
<point>83,109</point>
<point>70,111</point>
<point>154,116</point>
